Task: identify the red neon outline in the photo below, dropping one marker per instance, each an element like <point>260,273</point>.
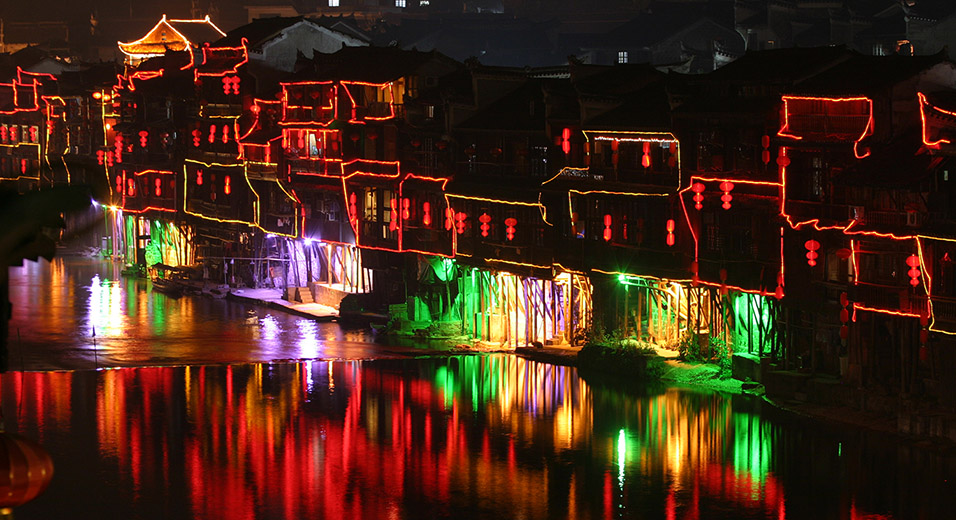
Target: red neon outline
<point>923,103</point>
<point>867,130</point>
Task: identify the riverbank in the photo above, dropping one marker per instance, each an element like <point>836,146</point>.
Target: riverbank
<point>820,403</point>
<point>921,425</point>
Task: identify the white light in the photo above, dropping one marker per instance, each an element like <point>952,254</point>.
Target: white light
<point>308,240</point>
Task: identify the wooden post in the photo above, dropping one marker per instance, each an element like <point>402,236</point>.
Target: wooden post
<point>627,311</point>
<point>640,301</point>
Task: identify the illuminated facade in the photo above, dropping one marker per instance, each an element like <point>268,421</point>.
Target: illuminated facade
<point>738,209</point>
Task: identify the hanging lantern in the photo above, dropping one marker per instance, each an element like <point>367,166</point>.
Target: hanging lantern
<point>212,134</point>
<point>670,232</point>
<point>143,137</point>
<point>118,146</point>
<point>566,141</point>
<point>765,144</point>
<point>426,214</point>
<point>646,159</point>
<point>159,187</point>
<point>510,224</point>
<point>726,187</point>
<point>119,184</point>
<point>778,292</point>
<point>914,273</point>
<point>607,228</point>
<point>393,214</point>
<point>130,187</point>
<point>198,177</point>
<point>373,135</point>
<point>227,186</point>
<point>782,160</point>
<point>812,247</point>
<point>485,227</point>
<point>25,470</point>
<point>109,160</point>
<point>197,135</point>
<point>354,137</point>
<point>698,189</point>
<point>100,155</point>
<point>225,134</point>
<point>353,209</point>
<point>615,144</point>
<point>460,222</point>
<point>843,253</point>
<point>406,209</point>
<point>449,219</point>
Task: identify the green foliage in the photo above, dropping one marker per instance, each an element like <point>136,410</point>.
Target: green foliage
<point>714,351</point>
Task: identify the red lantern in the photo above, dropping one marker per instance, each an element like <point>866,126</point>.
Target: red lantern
<point>812,246</point>
<point>426,214</point>
<point>353,209</point>
<point>914,273</point>
<point>646,159</point>
<point>778,293</point>
<point>119,184</point>
<point>225,134</point>
<point>843,253</point>
<point>670,232</point>
<point>143,138</point>
<point>566,141</point>
<point>695,280</point>
<point>607,228</point>
<point>109,160</point>
<point>484,219</point>
<point>726,187</point>
<point>393,214</point>
<point>198,177</point>
<point>227,186</point>
<point>510,224</point>
<point>159,187</point>
<point>449,219</point>
<point>100,154</point>
<point>130,187</point>
<point>25,470</point>
<point>197,135</point>
<point>698,188</point>
<point>406,209</point>
<point>118,146</point>
<point>460,222</point>
<point>212,134</point>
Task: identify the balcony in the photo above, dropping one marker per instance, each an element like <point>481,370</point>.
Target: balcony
<point>886,297</point>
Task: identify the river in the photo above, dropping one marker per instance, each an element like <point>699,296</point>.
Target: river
<point>272,418</point>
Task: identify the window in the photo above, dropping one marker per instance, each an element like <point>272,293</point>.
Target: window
<point>400,3</point>
<point>333,3</point>
<point>622,57</point>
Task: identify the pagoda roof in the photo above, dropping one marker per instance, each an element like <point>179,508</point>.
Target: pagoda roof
<point>176,35</point>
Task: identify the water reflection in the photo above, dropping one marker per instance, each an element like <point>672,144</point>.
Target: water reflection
<point>462,437</point>
<point>78,313</point>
